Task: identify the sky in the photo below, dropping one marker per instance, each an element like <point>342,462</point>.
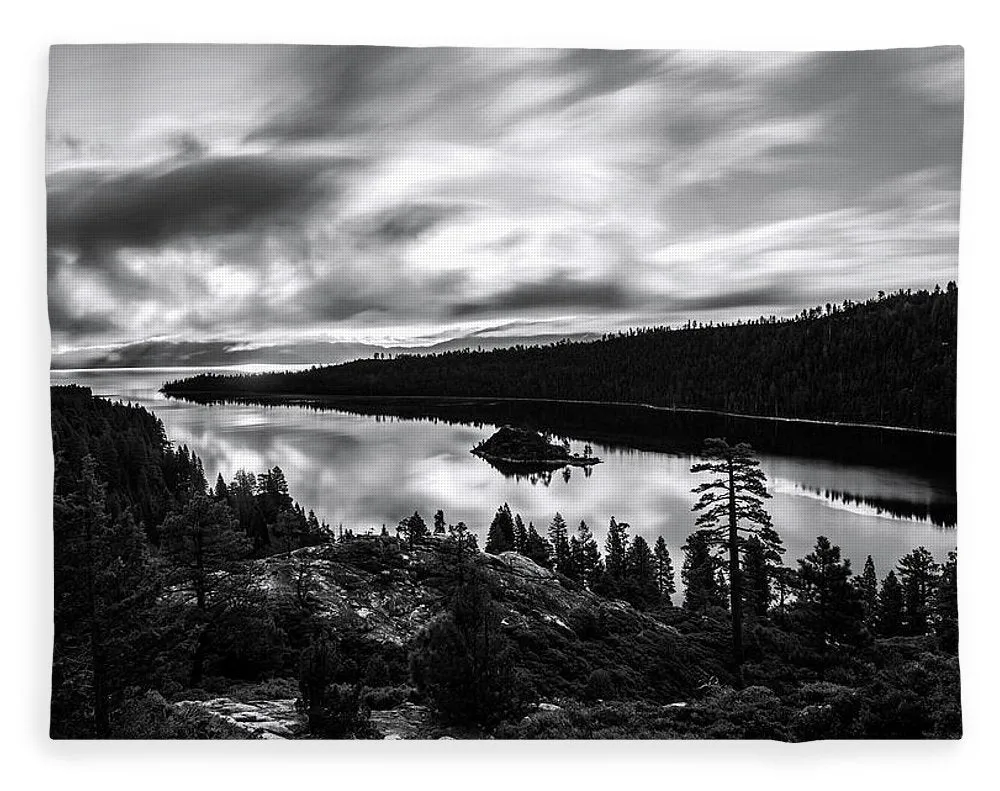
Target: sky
<point>293,204</point>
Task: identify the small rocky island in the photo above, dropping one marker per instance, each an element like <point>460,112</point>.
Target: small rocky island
<point>514,447</point>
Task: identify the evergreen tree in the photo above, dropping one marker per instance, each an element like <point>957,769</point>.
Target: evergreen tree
<point>698,573</point>
<point>500,537</point>
<point>412,528</point>
<point>221,490</point>
<point>439,523</point>
<point>562,560</point>
<point>946,605</point>
<point>730,504</point>
<point>537,548</point>
<point>520,535</point>
<point>106,589</point>
<point>206,559</point>
<point>640,567</point>
<point>664,570</point>
<point>826,597</point>
<point>204,550</point>
<point>918,574</point>
<point>463,662</point>
<point>890,607</point>
<point>756,577</point>
<point>585,556</point>
<point>867,587</point>
<point>615,549</point>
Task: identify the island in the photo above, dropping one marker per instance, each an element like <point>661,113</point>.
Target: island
<point>513,447</point>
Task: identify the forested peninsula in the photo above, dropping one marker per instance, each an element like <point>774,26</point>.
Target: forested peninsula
<point>888,361</point>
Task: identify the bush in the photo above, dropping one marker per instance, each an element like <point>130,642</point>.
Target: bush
<point>150,716</point>
<point>463,664</point>
<point>385,698</point>
<point>335,711</point>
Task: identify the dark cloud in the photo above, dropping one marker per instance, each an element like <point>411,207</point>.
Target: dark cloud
<point>339,82</point>
<point>187,145</point>
<point>65,321</point>
<point>406,222</point>
<point>555,292</point>
<point>98,213</point>
<point>770,295</point>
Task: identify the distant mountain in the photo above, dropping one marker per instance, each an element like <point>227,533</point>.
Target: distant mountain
<point>163,354</point>
<point>888,361</point>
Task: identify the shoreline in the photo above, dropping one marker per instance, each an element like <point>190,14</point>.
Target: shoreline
<point>290,398</point>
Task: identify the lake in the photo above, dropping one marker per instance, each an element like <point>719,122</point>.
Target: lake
<point>364,470</point>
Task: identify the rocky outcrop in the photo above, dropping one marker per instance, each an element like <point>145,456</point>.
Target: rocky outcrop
<point>264,719</point>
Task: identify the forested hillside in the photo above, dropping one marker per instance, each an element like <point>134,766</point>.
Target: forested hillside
<point>889,361</point>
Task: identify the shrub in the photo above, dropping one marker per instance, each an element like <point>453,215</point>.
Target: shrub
<point>463,663</point>
<point>150,716</point>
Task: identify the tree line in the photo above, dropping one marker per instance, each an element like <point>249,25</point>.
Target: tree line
<point>890,360</point>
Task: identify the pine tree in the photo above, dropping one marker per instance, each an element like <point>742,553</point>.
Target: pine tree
<point>586,557</point>
<point>412,528</point>
<point>538,548</point>
<point>439,523</point>
<point>698,573</point>
<point>106,590</point>
<point>221,490</point>
<point>203,549</point>
<point>756,577</point>
<point>640,569</point>
<point>500,537</point>
<point>825,594</point>
<point>918,574</point>
<point>730,504</point>
<point>520,535</point>
<point>946,605</point>
<point>890,607</point>
<point>562,560</point>
<point>867,587</point>
<point>206,559</point>
<point>664,570</point>
<point>615,549</point>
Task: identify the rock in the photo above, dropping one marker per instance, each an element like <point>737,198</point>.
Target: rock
<point>406,721</point>
<point>268,719</point>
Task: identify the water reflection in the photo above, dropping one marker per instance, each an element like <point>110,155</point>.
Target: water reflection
<point>363,471</point>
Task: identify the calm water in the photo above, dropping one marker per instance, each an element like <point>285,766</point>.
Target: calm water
<point>363,472</point>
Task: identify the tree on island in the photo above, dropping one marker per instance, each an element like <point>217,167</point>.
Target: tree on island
<point>730,504</point>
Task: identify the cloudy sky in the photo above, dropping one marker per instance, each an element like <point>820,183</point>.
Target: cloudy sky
<point>241,203</point>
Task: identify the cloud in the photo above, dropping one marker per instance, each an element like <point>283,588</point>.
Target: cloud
<point>282,196</point>
<point>94,212</point>
<point>555,292</point>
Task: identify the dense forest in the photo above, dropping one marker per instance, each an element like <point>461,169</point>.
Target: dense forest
<point>169,591</point>
<point>889,361</point>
